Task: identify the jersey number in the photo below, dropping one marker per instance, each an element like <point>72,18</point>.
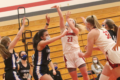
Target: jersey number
<point>25,75</point>
<point>70,39</point>
<point>107,34</point>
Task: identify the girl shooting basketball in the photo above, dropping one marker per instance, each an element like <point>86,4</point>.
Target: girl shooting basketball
<point>71,46</point>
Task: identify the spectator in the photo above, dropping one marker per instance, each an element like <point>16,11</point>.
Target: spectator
<point>58,75</point>
<point>24,67</point>
<point>96,67</point>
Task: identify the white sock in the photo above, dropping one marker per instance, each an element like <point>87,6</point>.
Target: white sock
<point>103,77</point>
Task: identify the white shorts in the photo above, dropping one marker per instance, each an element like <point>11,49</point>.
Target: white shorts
<point>113,56</point>
<point>72,60</point>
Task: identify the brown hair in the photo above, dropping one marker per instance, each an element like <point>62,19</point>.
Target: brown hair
<point>97,63</point>
<point>93,21</point>
<point>3,51</point>
<point>37,38</point>
<point>110,23</point>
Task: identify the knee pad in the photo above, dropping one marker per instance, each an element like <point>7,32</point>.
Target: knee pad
<point>103,77</point>
<point>118,78</point>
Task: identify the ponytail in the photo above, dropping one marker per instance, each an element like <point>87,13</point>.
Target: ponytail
<point>4,52</point>
<point>80,27</point>
<point>115,29</point>
<point>3,47</point>
<point>93,21</point>
<point>110,23</point>
<point>96,23</point>
<point>37,38</point>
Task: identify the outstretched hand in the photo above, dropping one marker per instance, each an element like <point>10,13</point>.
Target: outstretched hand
<point>47,18</point>
<point>84,20</point>
<point>68,15</point>
<point>55,6</point>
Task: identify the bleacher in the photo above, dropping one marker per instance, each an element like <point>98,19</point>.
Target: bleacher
<point>56,47</point>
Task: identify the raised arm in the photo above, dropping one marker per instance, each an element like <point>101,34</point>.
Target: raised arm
<point>84,20</point>
<point>43,43</point>
<point>47,23</point>
<point>71,24</point>
<point>19,34</point>
<point>118,40</point>
<point>62,25</point>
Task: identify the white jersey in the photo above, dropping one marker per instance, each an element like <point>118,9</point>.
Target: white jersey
<point>70,43</point>
<point>104,41</point>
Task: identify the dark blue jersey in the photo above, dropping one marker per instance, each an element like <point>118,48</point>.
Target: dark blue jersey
<point>10,62</point>
<point>42,57</point>
<point>24,71</point>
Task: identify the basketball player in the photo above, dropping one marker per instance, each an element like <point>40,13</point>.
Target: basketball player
<point>71,46</point>
<point>101,38</point>
<point>111,27</point>
<point>24,67</point>
<point>8,54</point>
<point>42,54</point>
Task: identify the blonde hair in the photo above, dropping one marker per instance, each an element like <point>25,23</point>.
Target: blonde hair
<point>97,63</point>
<point>3,51</point>
<point>94,21</point>
<point>79,26</point>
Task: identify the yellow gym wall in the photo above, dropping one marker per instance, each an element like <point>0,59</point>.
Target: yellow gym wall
<point>53,29</point>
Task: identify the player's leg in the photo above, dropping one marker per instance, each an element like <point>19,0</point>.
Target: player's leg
<point>106,72</point>
<point>46,77</point>
<point>70,65</point>
<point>73,73</point>
<point>112,77</point>
<point>83,71</point>
<point>80,63</point>
<point>116,72</point>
